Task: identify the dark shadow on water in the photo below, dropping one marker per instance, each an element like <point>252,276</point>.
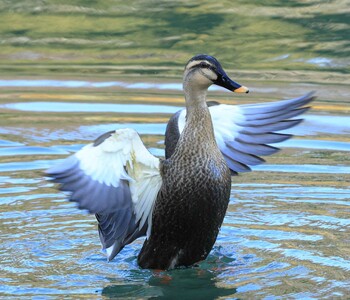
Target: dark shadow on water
<point>191,283</point>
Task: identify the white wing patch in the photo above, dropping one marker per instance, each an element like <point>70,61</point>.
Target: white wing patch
<point>143,167</point>
<point>106,162</point>
<point>146,181</point>
<point>116,173</point>
<point>181,120</point>
<point>224,118</point>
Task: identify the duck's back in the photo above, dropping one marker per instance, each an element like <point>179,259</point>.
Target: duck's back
<point>189,210</point>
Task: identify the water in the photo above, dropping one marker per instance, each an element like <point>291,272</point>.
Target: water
<point>71,71</point>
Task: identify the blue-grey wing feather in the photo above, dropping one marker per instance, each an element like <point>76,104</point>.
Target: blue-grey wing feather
<point>264,138</point>
<point>281,125</point>
<point>110,236</point>
<point>111,205</point>
<point>242,157</point>
<point>273,119</point>
<point>269,107</point>
<point>258,126</point>
<point>259,129</point>
<point>90,194</point>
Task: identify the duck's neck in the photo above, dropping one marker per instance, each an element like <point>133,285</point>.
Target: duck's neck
<point>198,128</point>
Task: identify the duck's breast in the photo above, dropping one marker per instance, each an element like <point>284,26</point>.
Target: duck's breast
<point>188,212</point>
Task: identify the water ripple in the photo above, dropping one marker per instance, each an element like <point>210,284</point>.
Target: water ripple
<point>31,150</point>
<point>304,168</point>
<point>90,107</point>
<point>92,84</point>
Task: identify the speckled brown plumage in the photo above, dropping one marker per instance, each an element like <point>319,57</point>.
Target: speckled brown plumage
<point>172,133</point>
<point>192,202</point>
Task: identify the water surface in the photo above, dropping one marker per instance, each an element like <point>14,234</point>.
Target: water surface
<point>71,71</point>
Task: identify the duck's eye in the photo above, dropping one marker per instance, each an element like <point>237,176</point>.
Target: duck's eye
<point>204,65</point>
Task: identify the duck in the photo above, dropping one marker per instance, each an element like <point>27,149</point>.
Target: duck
<point>177,203</point>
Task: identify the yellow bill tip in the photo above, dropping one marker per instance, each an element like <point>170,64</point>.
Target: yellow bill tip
<point>241,89</point>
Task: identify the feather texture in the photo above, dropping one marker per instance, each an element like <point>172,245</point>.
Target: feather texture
<point>244,132</point>
<point>117,179</point>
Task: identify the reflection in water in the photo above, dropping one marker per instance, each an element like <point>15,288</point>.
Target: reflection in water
<point>90,107</point>
<point>99,34</point>
<point>304,168</point>
<point>30,150</point>
<point>192,283</point>
<point>91,84</point>
<point>315,144</point>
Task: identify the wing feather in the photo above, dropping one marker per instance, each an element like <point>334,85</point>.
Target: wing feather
<point>281,125</point>
<point>242,157</point>
<point>118,180</point>
<point>244,132</point>
<point>274,119</point>
<point>278,106</point>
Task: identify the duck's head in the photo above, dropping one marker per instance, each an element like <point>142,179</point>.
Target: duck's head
<point>204,70</point>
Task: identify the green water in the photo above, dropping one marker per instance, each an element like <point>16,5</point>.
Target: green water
<point>71,70</point>
<point>247,35</point>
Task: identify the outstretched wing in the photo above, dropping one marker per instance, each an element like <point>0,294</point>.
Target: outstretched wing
<point>118,180</point>
<point>244,132</point>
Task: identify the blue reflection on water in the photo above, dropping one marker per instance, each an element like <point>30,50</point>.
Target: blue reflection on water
<point>91,84</point>
<point>31,150</point>
<point>304,168</point>
<point>90,107</point>
<point>315,144</point>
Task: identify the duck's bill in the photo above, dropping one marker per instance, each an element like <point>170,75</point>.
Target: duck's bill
<point>241,89</point>
<point>231,85</point>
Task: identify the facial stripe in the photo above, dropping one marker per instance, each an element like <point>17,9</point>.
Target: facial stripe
<point>209,73</point>
<point>196,63</point>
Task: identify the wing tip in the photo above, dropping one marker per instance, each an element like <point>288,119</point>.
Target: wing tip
<point>102,138</point>
<point>282,137</point>
<point>62,167</point>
